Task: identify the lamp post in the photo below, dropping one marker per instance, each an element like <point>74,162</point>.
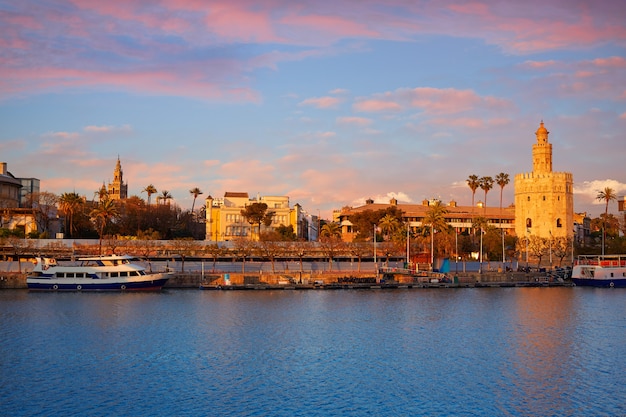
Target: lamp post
<point>375,260</point>
<point>432,247</point>
<point>480,255</point>
<point>456,250</point>
<point>408,247</point>
<point>526,248</point>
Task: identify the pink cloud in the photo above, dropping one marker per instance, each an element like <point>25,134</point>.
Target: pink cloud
<point>376,105</point>
<point>613,61</point>
<point>430,100</point>
<point>358,121</point>
<point>321,102</point>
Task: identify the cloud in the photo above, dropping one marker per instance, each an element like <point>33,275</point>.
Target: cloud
<point>321,102</point>
<point>586,192</point>
<point>357,121</point>
<point>430,101</point>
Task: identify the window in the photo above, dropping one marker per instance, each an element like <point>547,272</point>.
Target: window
<point>558,223</point>
<point>529,223</point>
<point>544,198</point>
<point>528,198</point>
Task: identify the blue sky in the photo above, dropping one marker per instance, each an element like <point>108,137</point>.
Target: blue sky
<point>329,103</point>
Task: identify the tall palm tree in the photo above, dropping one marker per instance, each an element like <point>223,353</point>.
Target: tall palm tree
<point>473,183</point>
<point>105,210</point>
<point>165,196</point>
<point>502,180</point>
<point>608,195</point>
<point>70,203</point>
<point>486,184</point>
<point>150,189</point>
<point>435,218</point>
<point>195,192</point>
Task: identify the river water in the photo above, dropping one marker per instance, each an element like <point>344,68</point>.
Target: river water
<point>434,352</point>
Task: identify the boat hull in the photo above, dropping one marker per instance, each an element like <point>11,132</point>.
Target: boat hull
<point>600,283</point>
<point>151,283</point>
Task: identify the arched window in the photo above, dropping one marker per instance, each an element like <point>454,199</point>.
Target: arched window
<point>529,223</point>
<point>528,198</point>
<point>558,223</point>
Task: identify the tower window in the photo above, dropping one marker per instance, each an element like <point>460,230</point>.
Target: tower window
<point>529,223</point>
<point>558,223</point>
<point>528,198</point>
<point>544,198</point>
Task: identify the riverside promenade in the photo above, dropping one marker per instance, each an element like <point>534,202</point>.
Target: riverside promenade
<point>390,278</point>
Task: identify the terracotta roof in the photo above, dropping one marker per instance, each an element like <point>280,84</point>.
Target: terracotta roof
<point>233,195</point>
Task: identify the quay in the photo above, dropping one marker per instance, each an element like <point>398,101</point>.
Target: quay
<point>393,278</point>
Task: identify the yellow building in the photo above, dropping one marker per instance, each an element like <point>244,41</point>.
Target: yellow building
<point>544,200</point>
<point>224,220</point>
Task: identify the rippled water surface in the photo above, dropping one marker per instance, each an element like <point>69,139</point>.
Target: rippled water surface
<point>465,352</point>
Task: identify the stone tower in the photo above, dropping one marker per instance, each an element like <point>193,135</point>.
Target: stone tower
<point>544,200</point>
<point>117,189</point>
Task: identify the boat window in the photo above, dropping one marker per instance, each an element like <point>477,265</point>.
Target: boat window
<point>114,274</point>
<point>60,275</point>
<point>123,274</point>
<point>611,275</point>
<point>69,275</point>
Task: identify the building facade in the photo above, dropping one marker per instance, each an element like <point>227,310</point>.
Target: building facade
<point>544,200</point>
<point>458,217</point>
<point>12,216</point>
<point>224,221</point>
<point>118,190</point>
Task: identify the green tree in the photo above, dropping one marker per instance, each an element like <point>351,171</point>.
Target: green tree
<point>195,192</point>
<point>502,180</point>
<point>257,214</point>
<point>435,218</point>
<point>388,225</point>
<point>106,210</point>
<point>473,183</point>
<point>150,189</point>
<point>165,197</point>
<point>607,195</point>
<point>330,229</point>
<point>70,204</point>
<point>486,184</point>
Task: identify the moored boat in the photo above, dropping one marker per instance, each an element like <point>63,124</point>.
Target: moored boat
<point>600,271</point>
<point>100,273</point>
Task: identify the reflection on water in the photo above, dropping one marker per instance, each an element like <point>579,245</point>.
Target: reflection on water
<point>500,351</point>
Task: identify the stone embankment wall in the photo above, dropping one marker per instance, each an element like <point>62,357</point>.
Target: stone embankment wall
<point>15,280</point>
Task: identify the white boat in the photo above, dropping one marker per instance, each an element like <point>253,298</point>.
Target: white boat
<point>600,271</point>
<point>101,273</point>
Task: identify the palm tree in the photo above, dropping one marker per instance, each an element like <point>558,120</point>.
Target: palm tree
<point>150,189</point>
<point>102,193</point>
<point>105,210</point>
<point>331,230</point>
<point>436,219</point>
<point>165,196</point>
<point>70,203</point>
<point>608,195</point>
<point>502,180</point>
<point>486,184</point>
<point>388,224</point>
<point>195,192</point>
<point>473,183</point>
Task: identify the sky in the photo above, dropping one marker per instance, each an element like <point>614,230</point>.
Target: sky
<point>327,102</point>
